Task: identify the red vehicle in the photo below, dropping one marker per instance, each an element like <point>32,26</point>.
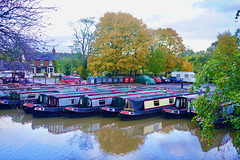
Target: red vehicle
<point>157,79</point>
<point>71,79</point>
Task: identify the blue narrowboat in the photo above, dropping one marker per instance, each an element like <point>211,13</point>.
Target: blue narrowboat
<point>139,108</point>
<point>118,103</point>
<point>180,108</point>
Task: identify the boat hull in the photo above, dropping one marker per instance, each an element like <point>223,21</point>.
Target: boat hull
<point>174,113</point>
<point>44,112</point>
<point>127,116</point>
<point>74,112</point>
<point>110,111</point>
<point>13,104</point>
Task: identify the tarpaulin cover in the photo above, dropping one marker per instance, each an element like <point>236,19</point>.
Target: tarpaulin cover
<point>118,102</point>
<point>145,79</point>
<point>84,102</point>
<point>137,104</point>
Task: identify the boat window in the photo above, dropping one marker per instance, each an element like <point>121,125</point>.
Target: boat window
<point>177,102</point>
<point>156,103</point>
<point>31,96</point>
<point>81,101</point>
<point>89,103</point>
<point>71,101</point>
<point>171,100</point>
<point>102,102</point>
<point>188,104</point>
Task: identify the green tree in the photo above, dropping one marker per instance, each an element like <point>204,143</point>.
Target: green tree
<point>67,66</point>
<point>224,72</point>
<point>156,62</point>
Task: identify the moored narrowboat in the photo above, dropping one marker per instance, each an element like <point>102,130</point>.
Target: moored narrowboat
<point>57,103</point>
<point>18,98</point>
<point>91,105</point>
<point>118,103</point>
<point>180,108</point>
<point>43,98</point>
<point>139,108</point>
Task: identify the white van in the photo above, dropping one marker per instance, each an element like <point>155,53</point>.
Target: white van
<point>186,76</point>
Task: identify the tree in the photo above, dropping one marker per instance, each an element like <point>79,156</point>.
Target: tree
<point>84,36</point>
<point>186,66</point>
<point>122,43</point>
<point>21,24</point>
<point>171,43</point>
<point>156,62</point>
<point>223,71</point>
<point>168,39</point>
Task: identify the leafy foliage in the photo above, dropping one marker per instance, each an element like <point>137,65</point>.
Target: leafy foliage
<point>122,43</point>
<point>223,71</point>
<point>156,61</point>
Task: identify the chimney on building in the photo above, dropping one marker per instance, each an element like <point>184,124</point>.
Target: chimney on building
<point>53,51</point>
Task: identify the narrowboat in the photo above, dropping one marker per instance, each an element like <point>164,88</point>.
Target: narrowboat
<point>57,103</point>
<point>118,103</point>
<point>18,98</point>
<point>91,105</point>
<point>191,112</point>
<point>180,108</point>
<point>139,108</point>
<point>43,98</point>
<point>224,109</point>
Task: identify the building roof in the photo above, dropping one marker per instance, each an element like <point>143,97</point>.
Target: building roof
<point>4,66</point>
<point>41,56</point>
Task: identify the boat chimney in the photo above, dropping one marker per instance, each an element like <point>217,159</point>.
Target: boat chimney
<point>53,51</point>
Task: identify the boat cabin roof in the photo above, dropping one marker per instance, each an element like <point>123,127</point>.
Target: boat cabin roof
<point>193,96</point>
<point>125,94</point>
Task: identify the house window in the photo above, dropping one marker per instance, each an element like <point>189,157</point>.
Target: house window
<point>34,69</point>
<point>41,62</point>
<point>156,103</point>
<point>50,69</point>
<point>50,63</point>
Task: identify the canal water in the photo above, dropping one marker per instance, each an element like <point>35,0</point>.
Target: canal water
<point>99,138</point>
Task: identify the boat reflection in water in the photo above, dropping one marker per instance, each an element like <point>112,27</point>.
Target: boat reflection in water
<point>108,138</point>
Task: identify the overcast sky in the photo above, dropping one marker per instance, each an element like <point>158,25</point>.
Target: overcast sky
<point>198,22</point>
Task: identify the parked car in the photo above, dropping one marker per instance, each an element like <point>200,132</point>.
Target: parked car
<point>165,80</point>
<point>175,79</point>
<point>145,80</point>
<point>71,79</point>
<point>157,79</point>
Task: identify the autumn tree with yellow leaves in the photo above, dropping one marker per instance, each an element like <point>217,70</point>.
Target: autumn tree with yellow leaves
<point>171,44</point>
<point>122,44</point>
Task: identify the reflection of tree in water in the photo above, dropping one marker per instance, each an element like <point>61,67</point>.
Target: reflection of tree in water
<point>84,141</point>
<point>116,141</point>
